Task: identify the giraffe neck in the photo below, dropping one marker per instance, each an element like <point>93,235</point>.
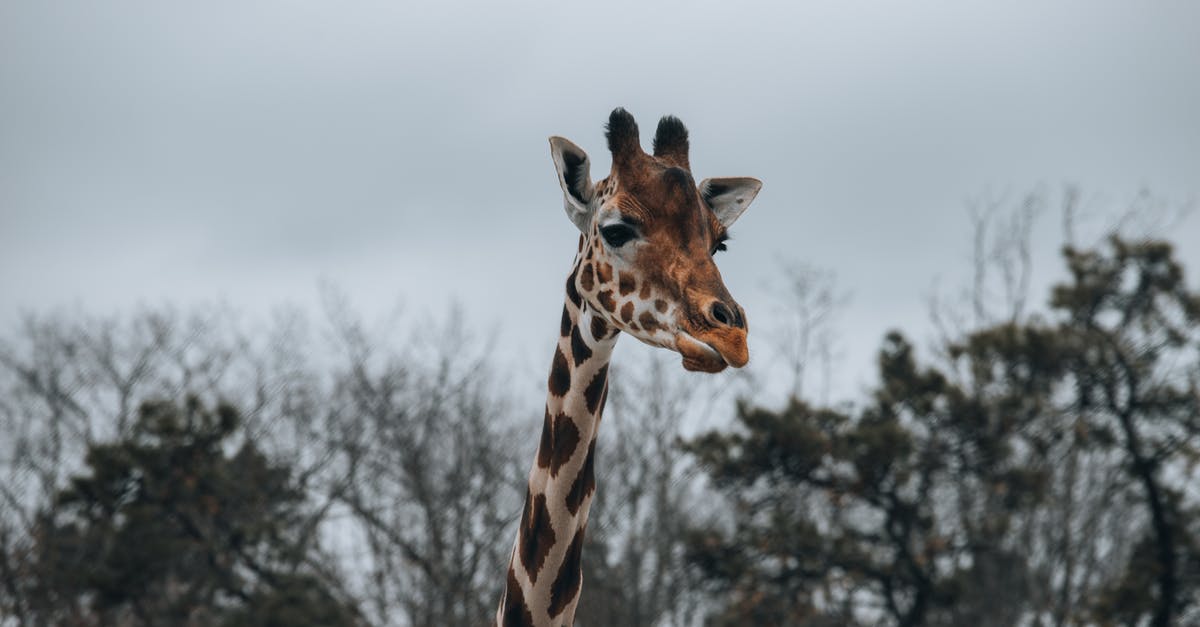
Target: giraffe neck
<point>545,570</point>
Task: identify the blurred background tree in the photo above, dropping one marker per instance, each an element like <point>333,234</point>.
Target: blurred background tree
<point>940,502</point>
<point>166,528</point>
<point>1028,466</point>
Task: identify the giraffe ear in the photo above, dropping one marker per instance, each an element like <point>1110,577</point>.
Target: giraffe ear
<point>575,178</point>
<point>728,197</point>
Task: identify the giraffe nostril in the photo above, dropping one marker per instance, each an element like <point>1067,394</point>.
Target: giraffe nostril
<point>726,315</point>
<point>721,313</point>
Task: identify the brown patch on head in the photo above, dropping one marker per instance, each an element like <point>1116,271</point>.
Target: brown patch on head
<point>560,374</point>
<point>536,536</point>
<point>580,351</point>
<point>604,272</point>
<point>606,300</point>
<point>591,394</point>
<point>516,610</point>
<point>645,293</point>
<point>626,284</point>
<point>566,440</point>
<point>648,321</point>
<point>627,312</point>
<point>570,576</point>
<point>585,482</point>
<point>585,279</point>
<point>660,305</point>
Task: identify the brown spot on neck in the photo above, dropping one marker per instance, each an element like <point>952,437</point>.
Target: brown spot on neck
<point>537,534</point>
<point>560,374</point>
<point>585,482</point>
<point>580,351</point>
<point>572,291</point>
<point>600,330</point>
<point>591,394</point>
<point>570,576</point>
<point>516,610</point>
<point>566,440</point>
<point>546,445</point>
<point>586,279</point>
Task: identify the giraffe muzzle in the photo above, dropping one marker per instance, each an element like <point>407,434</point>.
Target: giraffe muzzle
<point>713,354</point>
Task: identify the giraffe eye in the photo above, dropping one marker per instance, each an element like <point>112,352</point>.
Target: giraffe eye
<point>720,244</point>
<point>616,235</point>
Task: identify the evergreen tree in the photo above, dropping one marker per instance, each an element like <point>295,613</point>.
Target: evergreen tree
<point>938,502</point>
<point>167,528</point>
<point>1135,329</point>
<point>884,510</point>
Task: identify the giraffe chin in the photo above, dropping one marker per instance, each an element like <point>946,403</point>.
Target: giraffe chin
<point>704,365</point>
<point>701,356</point>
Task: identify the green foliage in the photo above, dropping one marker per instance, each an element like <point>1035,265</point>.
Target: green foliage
<point>169,529</point>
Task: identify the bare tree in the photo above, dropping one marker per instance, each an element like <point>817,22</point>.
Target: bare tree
<point>647,494</point>
<point>804,334</point>
<point>426,470</point>
<point>401,444</point>
<point>71,381</point>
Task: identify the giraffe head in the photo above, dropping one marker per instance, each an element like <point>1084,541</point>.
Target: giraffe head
<point>649,233</point>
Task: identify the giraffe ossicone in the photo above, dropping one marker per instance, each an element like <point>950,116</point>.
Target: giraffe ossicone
<point>648,233</point>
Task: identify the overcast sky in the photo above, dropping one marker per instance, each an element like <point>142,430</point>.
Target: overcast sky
<point>153,152</point>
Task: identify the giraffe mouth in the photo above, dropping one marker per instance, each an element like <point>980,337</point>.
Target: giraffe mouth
<point>699,356</point>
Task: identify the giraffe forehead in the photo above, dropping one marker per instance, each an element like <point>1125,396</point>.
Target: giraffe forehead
<point>661,196</point>
<point>663,189</point>
<point>678,219</point>
<point>677,230</point>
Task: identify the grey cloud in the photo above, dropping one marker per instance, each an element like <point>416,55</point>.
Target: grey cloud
<point>189,151</point>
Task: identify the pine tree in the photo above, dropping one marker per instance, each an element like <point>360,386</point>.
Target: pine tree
<point>168,528</point>
<point>940,501</point>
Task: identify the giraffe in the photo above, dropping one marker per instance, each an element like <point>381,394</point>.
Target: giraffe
<point>644,265</point>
